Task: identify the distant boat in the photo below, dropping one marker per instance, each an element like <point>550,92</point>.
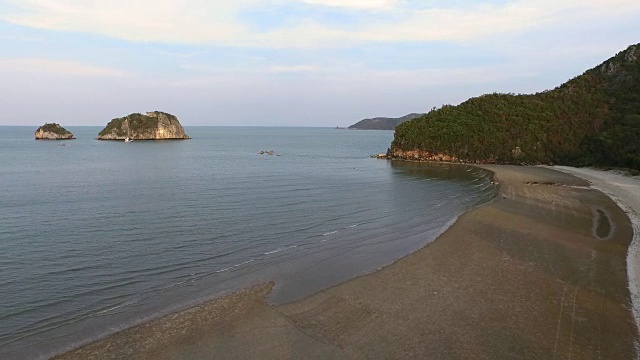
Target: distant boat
<point>127,139</point>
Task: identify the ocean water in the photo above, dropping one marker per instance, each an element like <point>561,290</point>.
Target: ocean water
<point>98,236</point>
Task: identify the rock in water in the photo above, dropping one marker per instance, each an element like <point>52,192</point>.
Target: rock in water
<point>154,125</point>
<point>53,132</point>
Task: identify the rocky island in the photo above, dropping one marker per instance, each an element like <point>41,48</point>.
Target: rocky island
<point>155,125</point>
<point>53,131</point>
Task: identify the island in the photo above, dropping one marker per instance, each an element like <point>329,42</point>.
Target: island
<point>382,123</point>
<point>53,131</point>
<point>591,120</point>
<point>155,125</point>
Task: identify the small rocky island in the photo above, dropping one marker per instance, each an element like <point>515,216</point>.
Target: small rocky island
<point>53,132</point>
<point>154,125</point>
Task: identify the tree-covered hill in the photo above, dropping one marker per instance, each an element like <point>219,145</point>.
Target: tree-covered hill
<point>593,119</point>
<point>382,123</point>
<point>154,125</point>
<point>52,131</point>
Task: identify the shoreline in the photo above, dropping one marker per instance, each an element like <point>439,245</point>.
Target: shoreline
<point>622,193</point>
<point>459,296</point>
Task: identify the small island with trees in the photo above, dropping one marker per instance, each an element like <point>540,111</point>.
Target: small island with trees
<point>154,125</point>
<point>53,131</point>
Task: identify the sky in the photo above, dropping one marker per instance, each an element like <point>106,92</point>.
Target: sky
<point>290,62</point>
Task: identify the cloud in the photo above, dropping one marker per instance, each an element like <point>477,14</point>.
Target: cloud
<point>20,38</point>
<point>182,55</point>
<point>169,21</point>
<point>455,24</point>
<point>356,4</point>
<point>34,65</point>
<point>230,71</point>
<point>292,69</point>
<point>221,22</point>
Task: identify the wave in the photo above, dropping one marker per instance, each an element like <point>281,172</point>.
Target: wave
<point>126,303</point>
<point>279,250</point>
<point>235,266</point>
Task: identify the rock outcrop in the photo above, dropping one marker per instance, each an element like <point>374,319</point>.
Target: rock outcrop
<point>417,155</point>
<point>155,125</point>
<point>53,132</point>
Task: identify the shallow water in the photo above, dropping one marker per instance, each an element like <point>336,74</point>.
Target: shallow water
<point>96,236</point>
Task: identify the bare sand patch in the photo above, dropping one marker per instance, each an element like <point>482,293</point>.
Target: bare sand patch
<point>625,191</point>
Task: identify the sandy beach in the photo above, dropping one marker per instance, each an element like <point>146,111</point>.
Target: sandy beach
<point>625,191</point>
<point>538,273</point>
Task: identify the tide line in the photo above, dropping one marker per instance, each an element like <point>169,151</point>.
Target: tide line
<point>113,308</point>
<point>235,266</point>
<point>279,250</point>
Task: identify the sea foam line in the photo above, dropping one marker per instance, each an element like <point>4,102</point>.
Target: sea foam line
<point>235,266</point>
<point>114,308</point>
<point>279,250</point>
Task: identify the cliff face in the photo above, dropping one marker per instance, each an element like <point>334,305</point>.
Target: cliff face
<point>592,119</point>
<point>53,132</point>
<point>154,125</point>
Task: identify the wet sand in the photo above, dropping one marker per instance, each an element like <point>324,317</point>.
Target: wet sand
<point>539,273</point>
<point>625,191</point>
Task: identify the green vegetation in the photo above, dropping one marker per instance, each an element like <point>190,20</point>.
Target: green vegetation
<point>114,125</point>
<point>54,128</point>
<point>137,123</point>
<point>593,119</point>
<point>382,123</point>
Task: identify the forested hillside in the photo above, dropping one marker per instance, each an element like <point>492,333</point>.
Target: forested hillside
<point>382,123</point>
<point>593,119</point>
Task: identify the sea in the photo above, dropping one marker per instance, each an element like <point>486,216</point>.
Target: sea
<point>97,236</point>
